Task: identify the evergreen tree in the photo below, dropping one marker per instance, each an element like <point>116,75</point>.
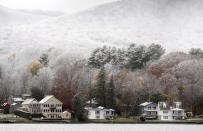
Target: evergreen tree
<point>101,88</point>
<point>79,108</point>
<point>120,58</point>
<point>136,57</point>
<point>105,55</point>
<point>44,60</point>
<point>196,52</point>
<point>93,61</point>
<point>158,96</point>
<point>37,93</point>
<point>181,91</point>
<point>154,52</point>
<point>110,94</point>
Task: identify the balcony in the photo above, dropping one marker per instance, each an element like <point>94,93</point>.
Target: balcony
<point>150,109</point>
<point>52,107</point>
<point>178,114</point>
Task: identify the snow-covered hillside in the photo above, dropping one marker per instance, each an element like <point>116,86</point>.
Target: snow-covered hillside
<point>11,17</point>
<point>176,24</point>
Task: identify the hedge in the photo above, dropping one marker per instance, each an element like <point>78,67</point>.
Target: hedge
<point>6,111</point>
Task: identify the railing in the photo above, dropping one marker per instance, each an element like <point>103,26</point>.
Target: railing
<point>152,109</point>
<point>177,114</point>
<point>52,106</point>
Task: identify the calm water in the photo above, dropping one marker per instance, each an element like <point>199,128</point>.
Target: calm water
<point>100,127</point>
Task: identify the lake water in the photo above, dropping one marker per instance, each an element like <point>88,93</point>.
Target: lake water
<point>100,127</point>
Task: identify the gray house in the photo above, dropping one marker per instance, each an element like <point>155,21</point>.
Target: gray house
<point>149,109</point>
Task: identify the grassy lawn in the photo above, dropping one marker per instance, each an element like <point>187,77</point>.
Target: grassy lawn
<point>11,117</point>
<point>136,120</point>
<point>16,119</point>
<point>117,120</point>
<point>200,120</point>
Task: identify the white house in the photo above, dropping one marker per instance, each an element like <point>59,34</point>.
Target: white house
<point>100,113</point>
<point>162,111</point>
<point>166,112</point>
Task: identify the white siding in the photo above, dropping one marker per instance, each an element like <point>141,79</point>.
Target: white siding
<point>98,113</point>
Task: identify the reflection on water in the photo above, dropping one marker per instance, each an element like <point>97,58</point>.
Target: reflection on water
<point>100,127</point>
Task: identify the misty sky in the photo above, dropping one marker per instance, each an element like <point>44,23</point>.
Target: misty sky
<point>55,5</point>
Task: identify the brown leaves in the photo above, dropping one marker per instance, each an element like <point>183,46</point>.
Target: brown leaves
<point>34,67</point>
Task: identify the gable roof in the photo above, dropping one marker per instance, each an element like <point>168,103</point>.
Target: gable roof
<point>18,99</point>
<point>28,101</point>
<point>146,103</point>
<point>47,98</point>
<point>99,108</point>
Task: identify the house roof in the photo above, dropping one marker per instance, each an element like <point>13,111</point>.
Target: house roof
<point>47,98</point>
<point>146,103</point>
<point>176,109</point>
<point>5,104</point>
<point>28,101</point>
<point>18,99</point>
<point>93,102</point>
<point>98,108</point>
<point>26,95</point>
<point>66,112</point>
<point>13,104</point>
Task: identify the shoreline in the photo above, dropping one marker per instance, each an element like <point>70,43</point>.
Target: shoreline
<point>97,122</point>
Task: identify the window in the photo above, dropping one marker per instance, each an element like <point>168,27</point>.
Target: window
<point>97,117</point>
<point>153,113</point>
<point>107,112</point>
<point>165,117</point>
<point>97,112</point>
<point>149,108</point>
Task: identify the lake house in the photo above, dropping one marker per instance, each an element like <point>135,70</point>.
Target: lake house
<point>162,110</point>
<point>100,113</point>
<point>149,109</point>
<point>31,105</point>
<point>167,112</point>
<point>51,107</point>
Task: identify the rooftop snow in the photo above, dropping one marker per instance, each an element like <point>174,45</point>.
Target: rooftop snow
<point>145,103</point>
<point>28,101</point>
<point>46,99</point>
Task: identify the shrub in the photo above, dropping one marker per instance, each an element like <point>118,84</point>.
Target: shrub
<point>6,111</point>
<point>142,118</point>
